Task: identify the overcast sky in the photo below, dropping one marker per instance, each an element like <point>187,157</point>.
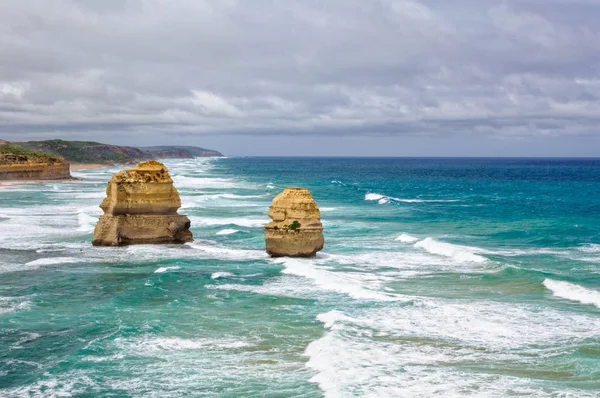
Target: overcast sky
<point>302,77</point>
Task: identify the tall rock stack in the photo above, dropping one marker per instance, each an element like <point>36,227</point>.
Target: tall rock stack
<point>141,207</point>
<point>296,229</point>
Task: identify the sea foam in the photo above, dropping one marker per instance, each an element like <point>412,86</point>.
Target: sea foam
<point>247,222</point>
<point>376,197</point>
<point>224,253</point>
<point>350,362</point>
<point>149,345</point>
<point>52,261</point>
<point>280,286</point>
<point>227,231</point>
<point>87,223</point>
<point>383,199</point>
<point>405,238</point>
<point>13,304</point>
<point>456,252</point>
<point>573,292</point>
<point>591,248</point>
<point>360,286</point>
<point>162,270</point>
<point>395,264</point>
<point>218,275</point>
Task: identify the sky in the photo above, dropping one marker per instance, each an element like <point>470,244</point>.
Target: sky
<point>306,77</point>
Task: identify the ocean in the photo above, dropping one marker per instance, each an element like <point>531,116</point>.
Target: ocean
<point>439,278</point>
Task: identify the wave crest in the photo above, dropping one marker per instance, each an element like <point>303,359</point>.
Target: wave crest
<point>383,199</point>
<point>573,292</point>
<point>456,252</point>
<point>405,238</point>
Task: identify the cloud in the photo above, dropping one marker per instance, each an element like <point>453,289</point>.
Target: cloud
<point>519,68</point>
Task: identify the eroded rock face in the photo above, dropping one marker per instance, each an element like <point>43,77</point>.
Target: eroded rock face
<point>296,229</point>
<point>21,167</point>
<point>141,207</point>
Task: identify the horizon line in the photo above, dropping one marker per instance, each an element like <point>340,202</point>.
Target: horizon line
<point>411,157</point>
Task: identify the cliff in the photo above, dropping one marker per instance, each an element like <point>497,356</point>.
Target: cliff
<point>17,163</point>
<point>88,152</point>
<point>141,207</point>
<point>296,229</point>
<point>98,153</point>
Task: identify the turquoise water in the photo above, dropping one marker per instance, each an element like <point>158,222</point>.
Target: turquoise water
<point>439,277</point>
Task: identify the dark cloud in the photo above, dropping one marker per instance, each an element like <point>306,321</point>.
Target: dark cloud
<point>337,68</point>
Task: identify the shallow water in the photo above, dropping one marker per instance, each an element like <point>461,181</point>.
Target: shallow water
<point>440,277</point>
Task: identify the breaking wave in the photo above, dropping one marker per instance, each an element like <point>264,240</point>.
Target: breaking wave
<point>162,270</point>
<point>218,275</point>
<point>239,221</point>
<point>356,285</point>
<point>573,292</point>
<point>227,231</point>
<point>348,361</point>
<point>383,199</point>
<point>456,252</point>
<point>405,238</point>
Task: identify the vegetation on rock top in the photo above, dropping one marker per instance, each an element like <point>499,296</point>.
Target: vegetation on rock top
<point>14,154</point>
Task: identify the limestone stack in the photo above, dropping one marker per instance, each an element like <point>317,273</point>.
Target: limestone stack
<point>141,207</point>
<point>296,229</point>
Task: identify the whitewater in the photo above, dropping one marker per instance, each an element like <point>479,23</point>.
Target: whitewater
<point>439,277</point>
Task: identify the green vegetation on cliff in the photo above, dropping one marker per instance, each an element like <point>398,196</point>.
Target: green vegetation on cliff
<point>88,152</point>
<point>9,149</point>
<point>18,163</point>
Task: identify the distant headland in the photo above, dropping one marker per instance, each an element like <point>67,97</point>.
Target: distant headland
<point>89,152</point>
<point>18,163</point>
<point>51,159</point>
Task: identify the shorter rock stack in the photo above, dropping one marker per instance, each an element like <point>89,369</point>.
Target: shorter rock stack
<point>141,207</point>
<point>296,229</point>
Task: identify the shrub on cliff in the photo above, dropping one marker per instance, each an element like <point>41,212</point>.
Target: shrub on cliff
<point>17,150</point>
